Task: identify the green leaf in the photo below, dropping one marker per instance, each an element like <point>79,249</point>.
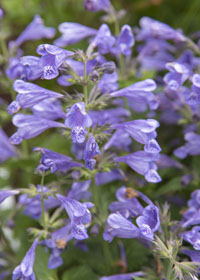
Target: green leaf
<point>82,272</point>
<point>41,266</point>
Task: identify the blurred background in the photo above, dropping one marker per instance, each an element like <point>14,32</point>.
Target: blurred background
<point>177,13</point>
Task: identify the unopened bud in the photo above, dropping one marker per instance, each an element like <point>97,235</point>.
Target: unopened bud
<point>94,76</point>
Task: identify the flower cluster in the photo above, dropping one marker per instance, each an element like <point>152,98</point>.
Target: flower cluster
<point>108,118</point>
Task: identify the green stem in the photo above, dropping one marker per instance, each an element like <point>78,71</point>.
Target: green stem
<point>116,26</point>
<point>85,89</point>
<point>42,204</point>
<point>25,149</point>
<point>171,264</point>
<point>122,66</point>
<point>95,194</point>
<point>193,46</point>
<point>169,270</point>
<point>113,14</point>
<point>107,254</point>
<point>4,50</point>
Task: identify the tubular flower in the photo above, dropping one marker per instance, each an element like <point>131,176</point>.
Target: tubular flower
<point>29,95</point>
<point>35,31</point>
<point>77,119</point>
<point>55,162</point>
<point>25,269</point>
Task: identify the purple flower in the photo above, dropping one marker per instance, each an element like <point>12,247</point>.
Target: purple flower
<point>107,177</point>
<point>97,5</point>
<point>91,150</point>
<point>79,215</point>
<point>78,134</point>
<point>73,33</point>
<point>165,161</point>
<point>108,83</point>
<point>52,58</point>
<point>193,237</point>
<point>128,206</point>
<point>154,54</point>
<point>192,215</point>
<point>196,80</point>
<point>78,150</point>
<point>127,276</point>
<point>195,199</point>
<point>57,244</point>
<point>192,147</point>
<point>143,163</point>
<point>149,221</point>
<point>104,39</point>
<point>77,119</point>
<point>7,150</point>
<point>55,162</point>
<point>79,190</point>
<point>77,116</point>
<point>194,255</point>
<point>118,226</point>
<point>125,41</point>
<point>50,109</point>
<point>193,99</point>
<point>108,116</point>
<point>16,69</point>
<point>143,131</point>
<point>179,73</point>
<point>35,31</point>
<point>140,95</point>
<point>29,126</point>
<point>127,203</point>
<point>7,193</point>
<point>25,68</point>
<point>120,140</point>
<point>29,95</point>
<point>25,269</point>
<point>156,29</point>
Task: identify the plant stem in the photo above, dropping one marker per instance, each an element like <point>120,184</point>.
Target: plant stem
<point>85,90</point>
<point>107,254</point>
<point>171,264</point>
<point>4,50</point>
<point>95,194</point>
<point>25,149</point>
<point>116,21</point>
<point>42,204</point>
<point>122,66</point>
<point>169,270</point>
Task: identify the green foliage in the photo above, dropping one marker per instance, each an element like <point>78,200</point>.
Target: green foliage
<point>82,272</point>
<point>41,266</point>
<point>172,186</point>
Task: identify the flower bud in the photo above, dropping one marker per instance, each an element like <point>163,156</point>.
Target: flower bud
<point>94,76</point>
